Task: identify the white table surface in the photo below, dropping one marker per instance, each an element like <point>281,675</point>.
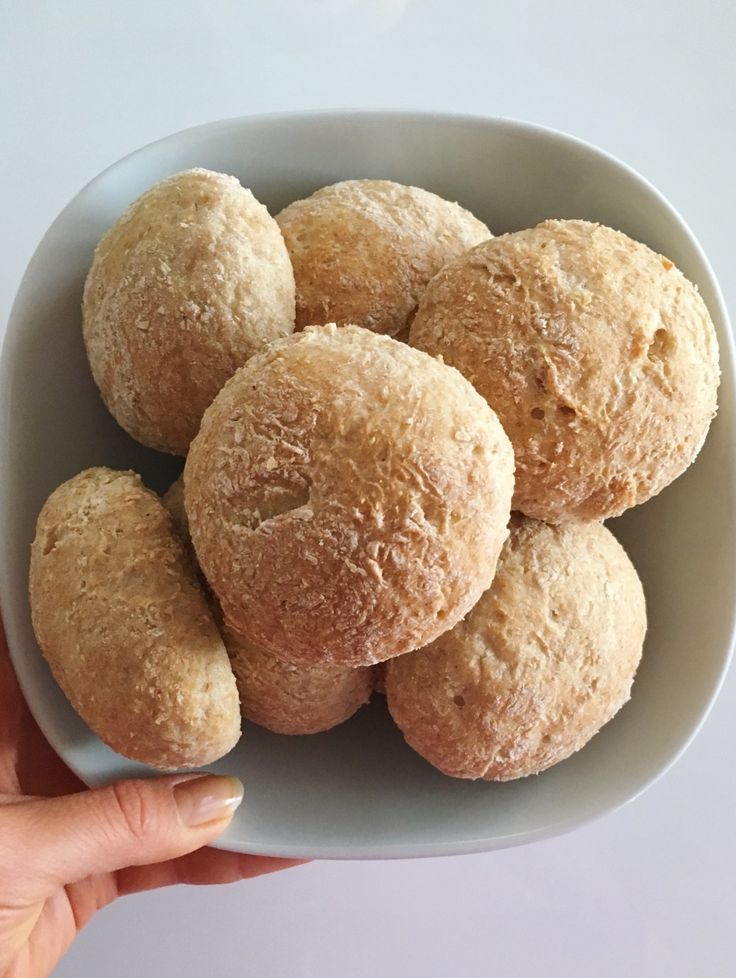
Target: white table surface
<point>647,892</point>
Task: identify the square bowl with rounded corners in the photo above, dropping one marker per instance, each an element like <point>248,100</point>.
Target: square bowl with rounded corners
<point>358,791</point>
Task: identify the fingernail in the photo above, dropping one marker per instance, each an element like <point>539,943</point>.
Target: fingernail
<point>207,799</point>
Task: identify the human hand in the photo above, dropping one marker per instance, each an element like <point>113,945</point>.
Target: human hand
<point>66,851</point>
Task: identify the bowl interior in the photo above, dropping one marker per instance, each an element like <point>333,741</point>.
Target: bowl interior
<point>358,791</point>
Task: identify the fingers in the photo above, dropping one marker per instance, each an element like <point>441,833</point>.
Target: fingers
<point>203,867</point>
<point>54,841</point>
<point>28,764</point>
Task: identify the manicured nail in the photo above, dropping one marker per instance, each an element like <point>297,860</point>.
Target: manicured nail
<point>207,799</point>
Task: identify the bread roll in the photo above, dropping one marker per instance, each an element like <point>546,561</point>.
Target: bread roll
<point>295,699</point>
<point>545,658</point>
<point>364,250</point>
<point>125,627</point>
<point>186,285</point>
<point>598,355</point>
<point>347,497</point>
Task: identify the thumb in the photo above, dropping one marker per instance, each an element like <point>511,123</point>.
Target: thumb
<point>56,841</point>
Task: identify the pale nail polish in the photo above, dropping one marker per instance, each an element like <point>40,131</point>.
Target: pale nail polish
<point>207,799</point>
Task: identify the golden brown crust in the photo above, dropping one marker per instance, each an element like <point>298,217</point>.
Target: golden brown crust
<point>192,280</point>
<point>284,698</point>
<point>364,250</point>
<point>125,627</point>
<point>598,355</point>
<point>545,658</point>
<point>347,497</point>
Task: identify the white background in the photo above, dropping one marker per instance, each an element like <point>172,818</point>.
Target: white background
<point>648,892</point>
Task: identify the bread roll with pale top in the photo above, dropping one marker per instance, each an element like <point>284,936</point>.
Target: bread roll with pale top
<point>542,662</point>
<point>364,250</point>
<point>598,355</point>
<point>347,497</point>
<point>192,280</point>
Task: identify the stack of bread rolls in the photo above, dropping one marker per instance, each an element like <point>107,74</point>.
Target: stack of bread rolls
<point>364,388</point>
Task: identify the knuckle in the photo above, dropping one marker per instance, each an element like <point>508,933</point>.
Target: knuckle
<point>133,810</point>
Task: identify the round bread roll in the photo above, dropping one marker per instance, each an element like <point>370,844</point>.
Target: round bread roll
<point>275,694</point>
<point>598,355</point>
<point>347,497</point>
<point>125,627</point>
<point>295,699</point>
<point>545,658</point>
<point>192,280</point>
<point>364,250</point>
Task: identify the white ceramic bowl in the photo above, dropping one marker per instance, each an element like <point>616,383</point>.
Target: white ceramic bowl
<point>358,791</point>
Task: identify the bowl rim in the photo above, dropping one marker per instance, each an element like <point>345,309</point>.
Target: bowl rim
<point>727,345</point>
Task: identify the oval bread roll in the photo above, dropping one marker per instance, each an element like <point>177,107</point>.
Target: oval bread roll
<point>275,694</point>
<point>364,250</point>
<point>545,658</point>
<point>347,497</point>
<point>125,627</point>
<point>598,355</point>
<point>192,280</point>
